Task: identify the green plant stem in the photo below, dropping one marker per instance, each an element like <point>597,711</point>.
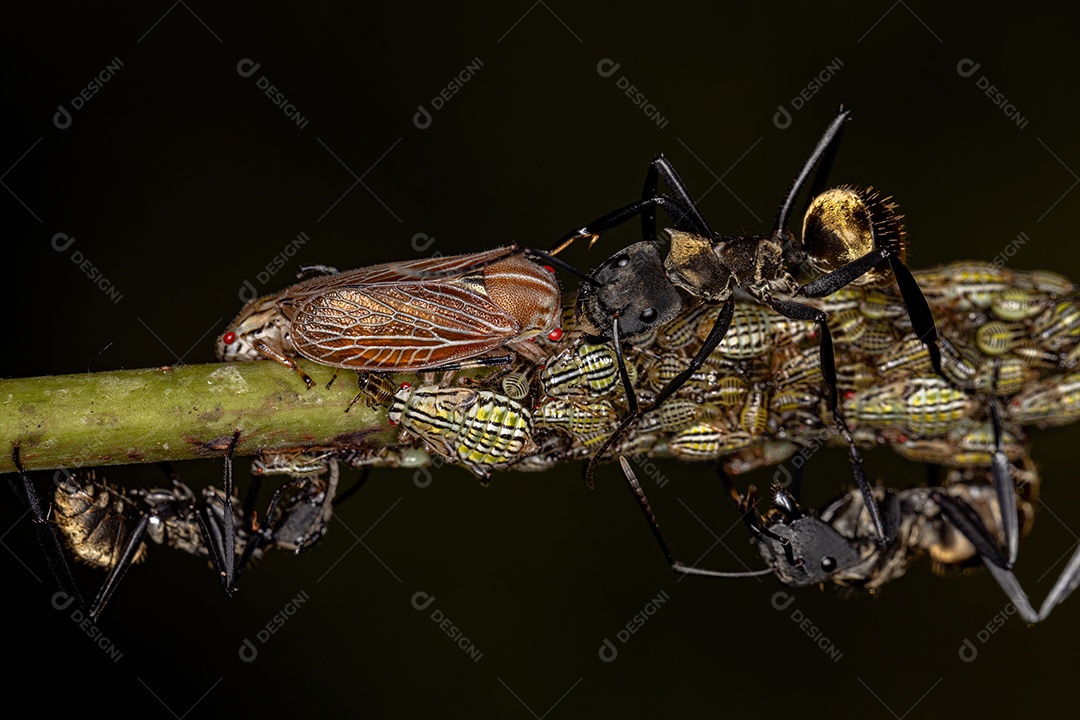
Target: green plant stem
<point>180,413</point>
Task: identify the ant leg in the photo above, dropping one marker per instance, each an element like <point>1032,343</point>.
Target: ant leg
<point>116,574</point>
<point>922,320</point>
<point>973,529</point>
<point>325,509</point>
<point>843,276</point>
<point>798,311</point>
<point>246,512</point>
<point>918,309</point>
<point>133,542</point>
<point>13,491</point>
<point>890,516</point>
<point>1003,484</point>
<point>229,527</point>
<point>624,374</point>
<point>1016,594</point>
<point>719,330</point>
<point>970,526</point>
<point>221,544</point>
<point>48,536</point>
<point>646,509</point>
<point>1066,583</point>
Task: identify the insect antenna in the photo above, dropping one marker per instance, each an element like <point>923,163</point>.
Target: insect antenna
<point>825,151</point>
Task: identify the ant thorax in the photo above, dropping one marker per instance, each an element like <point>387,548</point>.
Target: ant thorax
<point>696,268</point>
<point>757,264</point>
<point>711,268</point>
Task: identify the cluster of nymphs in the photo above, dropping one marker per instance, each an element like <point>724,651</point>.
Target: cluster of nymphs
<point>695,346</point>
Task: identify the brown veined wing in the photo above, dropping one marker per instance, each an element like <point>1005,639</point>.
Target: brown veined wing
<point>382,319</point>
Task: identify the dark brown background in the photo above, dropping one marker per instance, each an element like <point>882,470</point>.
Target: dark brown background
<point>179,180</point>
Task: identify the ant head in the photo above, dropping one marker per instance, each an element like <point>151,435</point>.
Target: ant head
<point>633,285</point>
<point>845,223</point>
<point>803,549</point>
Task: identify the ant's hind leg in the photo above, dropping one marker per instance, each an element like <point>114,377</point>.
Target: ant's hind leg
<point>48,535</point>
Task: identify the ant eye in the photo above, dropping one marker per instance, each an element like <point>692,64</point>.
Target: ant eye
<point>648,315</point>
<point>622,261</point>
<point>828,564</point>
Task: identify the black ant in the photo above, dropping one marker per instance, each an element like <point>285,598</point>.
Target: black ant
<point>949,522</point>
<point>851,235</point>
<point>108,528</point>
